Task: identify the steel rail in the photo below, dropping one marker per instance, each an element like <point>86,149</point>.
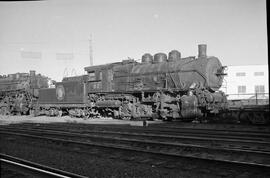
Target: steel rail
<point>35,167</point>
<point>174,129</point>
<point>244,131</point>
<point>191,130</point>
<point>216,133</point>
<point>171,133</point>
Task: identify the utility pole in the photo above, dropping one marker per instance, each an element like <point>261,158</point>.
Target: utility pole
<point>90,50</point>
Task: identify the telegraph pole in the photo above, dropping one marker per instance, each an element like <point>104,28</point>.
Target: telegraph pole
<point>90,50</point>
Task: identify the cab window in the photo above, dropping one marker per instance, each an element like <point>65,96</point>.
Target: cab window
<point>91,76</point>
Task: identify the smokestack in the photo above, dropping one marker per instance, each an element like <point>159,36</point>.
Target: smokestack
<point>202,50</point>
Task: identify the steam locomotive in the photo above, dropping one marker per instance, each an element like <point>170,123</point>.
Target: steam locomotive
<point>159,87</point>
<point>19,91</point>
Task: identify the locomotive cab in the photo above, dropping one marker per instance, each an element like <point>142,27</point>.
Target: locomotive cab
<point>100,78</point>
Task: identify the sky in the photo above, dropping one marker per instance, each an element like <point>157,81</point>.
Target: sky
<point>53,37</point>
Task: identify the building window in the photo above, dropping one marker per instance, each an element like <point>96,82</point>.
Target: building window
<point>240,74</point>
<point>258,73</point>
<point>241,89</point>
<point>92,76</point>
<point>259,89</point>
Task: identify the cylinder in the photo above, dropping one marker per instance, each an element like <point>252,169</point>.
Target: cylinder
<point>147,58</point>
<point>160,57</point>
<point>202,50</point>
<point>174,55</point>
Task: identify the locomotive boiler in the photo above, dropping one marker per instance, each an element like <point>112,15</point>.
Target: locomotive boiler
<point>18,92</point>
<point>159,87</point>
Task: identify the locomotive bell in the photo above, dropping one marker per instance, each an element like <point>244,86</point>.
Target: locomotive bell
<point>202,50</point>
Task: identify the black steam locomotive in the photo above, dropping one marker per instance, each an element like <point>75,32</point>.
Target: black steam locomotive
<point>19,91</point>
<point>159,87</point>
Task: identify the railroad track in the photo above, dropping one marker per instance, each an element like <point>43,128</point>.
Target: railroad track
<point>221,127</point>
<point>226,155</point>
<point>34,169</point>
<point>206,137</point>
<point>242,138</point>
<point>253,131</point>
<point>213,141</point>
<point>216,133</point>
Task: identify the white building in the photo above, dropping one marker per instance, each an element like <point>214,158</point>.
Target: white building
<point>246,82</point>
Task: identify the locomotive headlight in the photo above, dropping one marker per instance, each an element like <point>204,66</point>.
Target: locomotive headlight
<point>220,71</point>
